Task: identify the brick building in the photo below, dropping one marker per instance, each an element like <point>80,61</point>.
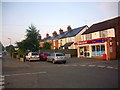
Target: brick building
<point>101,39</point>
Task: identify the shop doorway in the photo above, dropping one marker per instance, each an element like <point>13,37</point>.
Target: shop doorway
<point>84,51</point>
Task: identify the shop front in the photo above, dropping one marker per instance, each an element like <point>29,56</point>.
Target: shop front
<point>94,51</point>
<point>96,48</point>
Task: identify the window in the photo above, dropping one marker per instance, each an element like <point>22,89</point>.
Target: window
<point>103,34</point>
<point>60,54</point>
<point>52,54</point>
<point>88,36</point>
<point>93,50</point>
<point>69,39</point>
<point>98,50</point>
<point>102,48</point>
<point>34,53</point>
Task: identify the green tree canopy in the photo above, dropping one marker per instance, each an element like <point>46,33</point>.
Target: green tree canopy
<point>47,45</point>
<point>10,48</point>
<point>31,42</point>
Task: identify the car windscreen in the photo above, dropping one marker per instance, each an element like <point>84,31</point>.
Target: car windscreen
<point>34,54</point>
<point>59,54</point>
<point>48,54</point>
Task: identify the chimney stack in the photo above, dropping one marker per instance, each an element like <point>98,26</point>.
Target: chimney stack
<point>47,35</point>
<point>69,28</point>
<point>39,37</point>
<point>54,33</point>
<point>60,31</point>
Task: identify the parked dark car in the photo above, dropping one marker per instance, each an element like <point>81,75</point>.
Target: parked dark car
<point>44,56</point>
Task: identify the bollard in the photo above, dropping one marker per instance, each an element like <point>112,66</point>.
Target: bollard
<point>104,57</point>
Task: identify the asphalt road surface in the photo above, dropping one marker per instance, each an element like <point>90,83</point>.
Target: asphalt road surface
<point>76,73</point>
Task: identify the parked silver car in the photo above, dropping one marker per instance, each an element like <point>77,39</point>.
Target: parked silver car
<point>57,57</point>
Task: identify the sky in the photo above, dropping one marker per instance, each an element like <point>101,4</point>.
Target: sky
<point>50,16</point>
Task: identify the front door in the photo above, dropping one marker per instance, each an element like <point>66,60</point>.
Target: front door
<point>86,51</point>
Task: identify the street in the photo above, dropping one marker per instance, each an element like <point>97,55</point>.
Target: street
<point>76,73</point>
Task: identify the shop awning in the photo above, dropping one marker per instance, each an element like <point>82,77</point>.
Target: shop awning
<point>68,44</point>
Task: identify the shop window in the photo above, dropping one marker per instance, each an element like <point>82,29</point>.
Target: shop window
<point>98,50</point>
<point>93,51</point>
<point>102,49</point>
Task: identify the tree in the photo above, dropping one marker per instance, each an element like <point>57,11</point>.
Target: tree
<point>47,45</point>
<point>31,42</point>
<point>10,49</point>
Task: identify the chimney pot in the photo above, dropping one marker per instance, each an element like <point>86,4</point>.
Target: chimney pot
<point>60,31</point>
<point>47,35</point>
<point>54,33</point>
<point>69,28</point>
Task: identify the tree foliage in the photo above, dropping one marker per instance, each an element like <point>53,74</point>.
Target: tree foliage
<point>31,42</point>
<point>10,48</point>
<point>47,45</point>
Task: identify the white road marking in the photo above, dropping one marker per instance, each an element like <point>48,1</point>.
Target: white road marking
<point>109,67</point>
<point>74,65</point>
<point>2,82</point>
<point>83,65</point>
<point>100,66</point>
<point>25,74</point>
<point>91,65</point>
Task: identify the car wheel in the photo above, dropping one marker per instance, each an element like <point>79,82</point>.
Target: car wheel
<point>64,62</point>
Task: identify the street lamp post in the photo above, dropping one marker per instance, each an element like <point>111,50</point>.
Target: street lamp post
<point>10,40</point>
<point>10,47</point>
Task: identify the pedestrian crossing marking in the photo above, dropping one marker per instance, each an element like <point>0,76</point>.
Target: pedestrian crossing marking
<point>2,82</point>
<point>83,65</point>
<point>91,65</point>
<point>100,66</point>
<point>109,67</point>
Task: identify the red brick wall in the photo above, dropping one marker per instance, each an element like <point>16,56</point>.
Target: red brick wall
<point>117,32</point>
<point>111,55</point>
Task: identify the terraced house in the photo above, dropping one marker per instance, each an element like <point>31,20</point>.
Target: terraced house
<point>65,39</point>
<point>101,40</point>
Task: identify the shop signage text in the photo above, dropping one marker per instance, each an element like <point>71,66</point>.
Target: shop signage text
<point>101,40</point>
